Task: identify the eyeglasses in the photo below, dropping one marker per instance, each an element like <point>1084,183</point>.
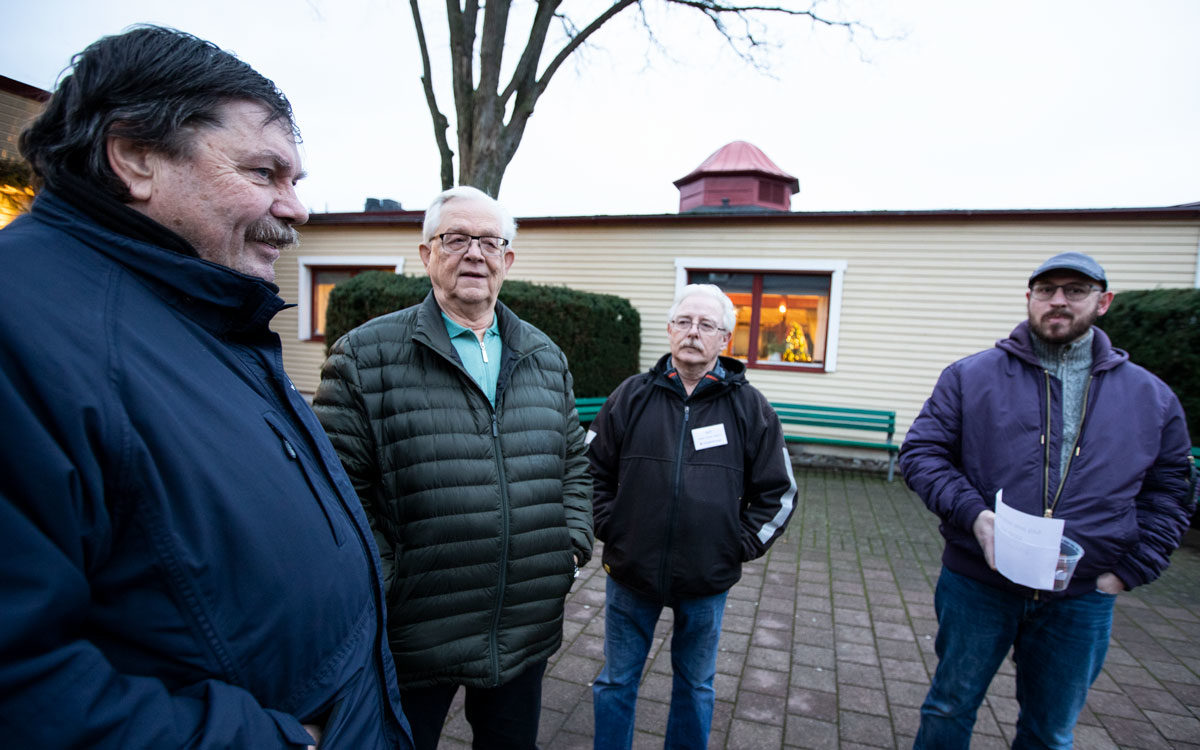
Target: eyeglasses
<point>683,325</point>
<point>456,244</point>
<point>1073,292</point>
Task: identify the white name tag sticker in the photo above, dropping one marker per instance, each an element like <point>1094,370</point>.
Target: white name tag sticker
<point>709,437</point>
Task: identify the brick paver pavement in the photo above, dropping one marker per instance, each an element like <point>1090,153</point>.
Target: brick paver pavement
<point>828,642</point>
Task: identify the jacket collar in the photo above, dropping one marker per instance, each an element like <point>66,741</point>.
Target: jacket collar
<point>1105,356</point>
<point>728,373</point>
<point>430,326</point>
<point>95,203</point>
<point>216,297</point>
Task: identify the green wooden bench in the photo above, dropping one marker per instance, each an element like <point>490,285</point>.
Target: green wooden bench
<point>842,418</point>
<point>589,407</point>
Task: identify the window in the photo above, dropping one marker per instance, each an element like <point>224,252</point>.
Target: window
<point>320,274</point>
<point>787,311</point>
<point>770,192</point>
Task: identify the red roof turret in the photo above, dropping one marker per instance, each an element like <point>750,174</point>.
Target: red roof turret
<point>737,177</point>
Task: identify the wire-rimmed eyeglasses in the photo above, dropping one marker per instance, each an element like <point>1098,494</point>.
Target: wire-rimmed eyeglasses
<point>706,327</point>
<point>1073,292</point>
<point>456,244</point>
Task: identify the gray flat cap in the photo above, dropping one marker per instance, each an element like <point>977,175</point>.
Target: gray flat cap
<point>1077,262</point>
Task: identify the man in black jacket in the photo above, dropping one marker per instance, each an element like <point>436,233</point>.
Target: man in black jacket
<point>691,479</point>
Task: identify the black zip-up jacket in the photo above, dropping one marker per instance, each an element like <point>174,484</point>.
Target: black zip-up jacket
<point>687,488</point>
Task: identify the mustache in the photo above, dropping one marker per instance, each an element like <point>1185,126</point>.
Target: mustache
<point>271,231</point>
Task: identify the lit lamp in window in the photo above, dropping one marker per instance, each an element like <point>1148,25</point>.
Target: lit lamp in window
<point>16,194</point>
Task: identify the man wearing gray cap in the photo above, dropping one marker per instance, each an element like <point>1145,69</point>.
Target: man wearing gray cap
<point>1070,429</point>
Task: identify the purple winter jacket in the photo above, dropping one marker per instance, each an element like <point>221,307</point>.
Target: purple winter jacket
<point>994,421</point>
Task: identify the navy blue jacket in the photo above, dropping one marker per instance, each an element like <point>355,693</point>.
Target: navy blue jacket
<point>994,421</point>
<point>677,522</point>
<point>185,564</point>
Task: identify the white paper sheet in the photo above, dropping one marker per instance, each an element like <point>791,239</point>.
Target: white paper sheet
<point>1026,546</point>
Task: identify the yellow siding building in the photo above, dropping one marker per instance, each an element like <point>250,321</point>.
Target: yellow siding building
<point>19,104</point>
<point>893,297</point>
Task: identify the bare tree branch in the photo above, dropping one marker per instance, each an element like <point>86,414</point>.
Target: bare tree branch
<point>717,12</point>
<point>574,43</point>
<point>440,123</point>
<point>486,142</point>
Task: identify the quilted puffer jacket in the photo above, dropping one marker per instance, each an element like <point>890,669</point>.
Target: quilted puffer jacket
<point>478,511</point>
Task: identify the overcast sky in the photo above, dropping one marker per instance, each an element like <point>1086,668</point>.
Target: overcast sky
<point>976,104</point>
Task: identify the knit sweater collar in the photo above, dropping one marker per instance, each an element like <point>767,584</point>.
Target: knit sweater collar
<point>1073,355</point>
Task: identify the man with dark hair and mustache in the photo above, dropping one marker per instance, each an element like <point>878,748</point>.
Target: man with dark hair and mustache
<point>1068,428</point>
<point>186,563</point>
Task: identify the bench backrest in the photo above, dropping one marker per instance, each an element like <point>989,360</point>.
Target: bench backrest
<point>836,416</point>
<point>807,414</point>
<point>588,407</point>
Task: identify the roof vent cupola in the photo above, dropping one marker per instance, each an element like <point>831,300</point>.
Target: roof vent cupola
<point>738,178</point>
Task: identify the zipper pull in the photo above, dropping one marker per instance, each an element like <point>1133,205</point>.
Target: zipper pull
<point>288,449</point>
<point>1077,451</point>
<point>483,349</point>
<point>1042,439</point>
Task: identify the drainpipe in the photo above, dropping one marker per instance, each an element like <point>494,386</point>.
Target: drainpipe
<point>1196,281</point>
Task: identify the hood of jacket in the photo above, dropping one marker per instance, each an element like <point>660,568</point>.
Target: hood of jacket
<point>1105,356</point>
<point>729,373</point>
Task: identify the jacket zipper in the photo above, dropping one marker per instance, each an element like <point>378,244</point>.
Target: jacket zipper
<point>1049,504</point>
<point>494,634</point>
<point>1087,387</point>
<point>665,569</point>
<point>1046,510</point>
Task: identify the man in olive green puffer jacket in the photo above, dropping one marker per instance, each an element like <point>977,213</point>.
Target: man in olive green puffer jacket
<point>456,422</point>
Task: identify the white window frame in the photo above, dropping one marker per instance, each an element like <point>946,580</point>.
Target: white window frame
<point>308,262</point>
<point>836,269</point>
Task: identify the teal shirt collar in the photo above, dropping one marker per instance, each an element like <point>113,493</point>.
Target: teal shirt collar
<point>454,329</point>
<point>481,363</point>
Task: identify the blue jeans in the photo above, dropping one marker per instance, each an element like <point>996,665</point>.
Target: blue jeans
<point>1058,648</point>
<point>629,622</point>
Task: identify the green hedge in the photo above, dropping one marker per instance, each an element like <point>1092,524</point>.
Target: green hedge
<point>369,295</point>
<point>599,333</point>
<point>1160,328</point>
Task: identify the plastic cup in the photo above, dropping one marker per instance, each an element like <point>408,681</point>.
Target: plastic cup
<point>1068,557</point>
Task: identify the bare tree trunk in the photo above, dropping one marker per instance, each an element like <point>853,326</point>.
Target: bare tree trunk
<point>486,143</point>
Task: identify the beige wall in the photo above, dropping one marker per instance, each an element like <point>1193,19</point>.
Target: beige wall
<point>917,294</point>
<point>302,359</point>
<point>15,114</point>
